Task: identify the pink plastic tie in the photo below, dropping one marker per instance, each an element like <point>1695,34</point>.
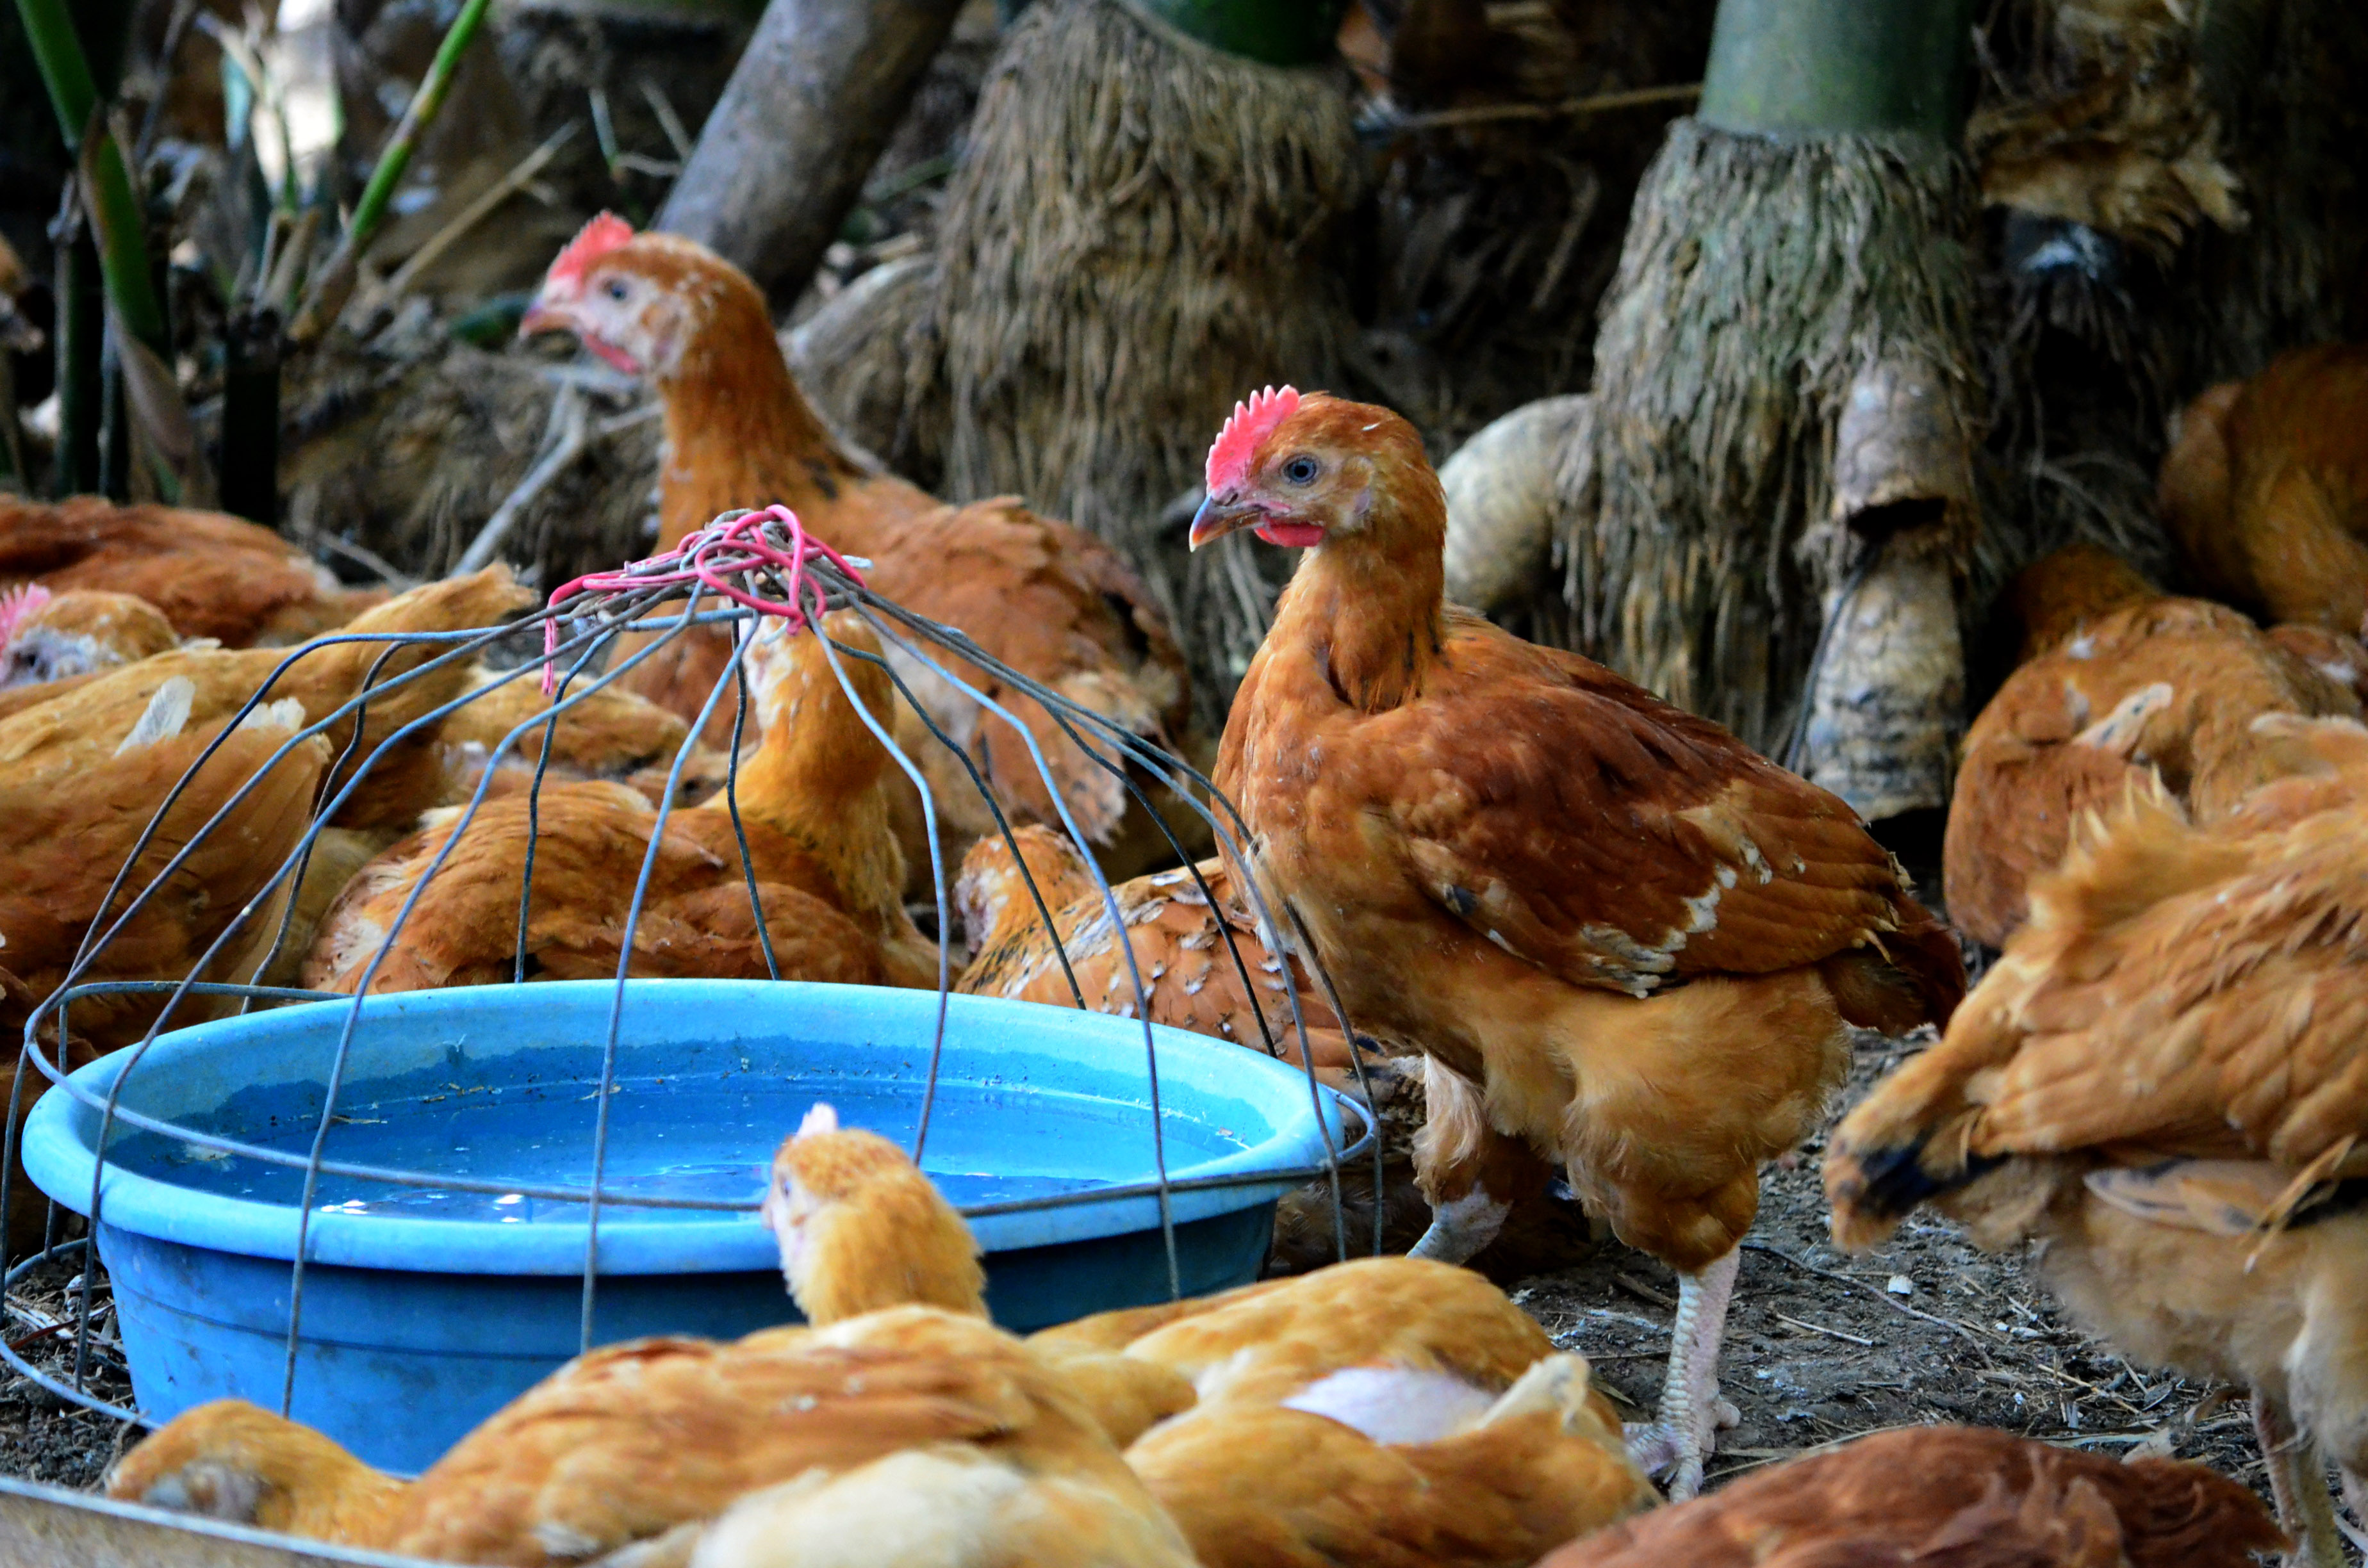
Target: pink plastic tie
<point>727,549</point>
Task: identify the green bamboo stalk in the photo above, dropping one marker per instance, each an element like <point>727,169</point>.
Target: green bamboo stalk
<point>114,204</point>
<point>335,283</point>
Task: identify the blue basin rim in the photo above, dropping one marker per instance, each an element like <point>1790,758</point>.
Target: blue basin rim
<point>986,1038</point>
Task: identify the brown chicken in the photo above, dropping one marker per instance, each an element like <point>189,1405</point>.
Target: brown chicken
<point>211,574</point>
<point>889,1434</point>
<point>814,803</point>
<point>53,740</point>
<point>1044,598</point>
<point>1180,943</point>
<point>2124,684</point>
<point>1380,1411</point>
<point>2161,1081</point>
<point>2266,488</point>
<point>70,814</point>
<point>1949,1497</point>
<point>1637,939</point>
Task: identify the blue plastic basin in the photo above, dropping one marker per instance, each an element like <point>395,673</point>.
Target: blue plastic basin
<point>426,1309</point>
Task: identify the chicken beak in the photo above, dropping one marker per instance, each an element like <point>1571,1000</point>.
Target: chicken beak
<point>542,318</point>
<point>1218,517</point>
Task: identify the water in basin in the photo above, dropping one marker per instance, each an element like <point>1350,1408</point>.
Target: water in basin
<point>694,1136</point>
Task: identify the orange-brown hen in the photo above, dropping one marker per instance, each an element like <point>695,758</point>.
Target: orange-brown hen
<point>1636,938</point>
<point>1042,597</point>
<point>2164,1081</point>
<point>888,1434</point>
<point>2266,488</point>
<point>2122,683</point>
<point>812,800</point>
<point>1949,1497</point>
<point>1386,1411</point>
<point>211,574</point>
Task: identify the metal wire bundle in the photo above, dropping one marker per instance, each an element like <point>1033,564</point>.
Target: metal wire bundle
<point>743,568</point>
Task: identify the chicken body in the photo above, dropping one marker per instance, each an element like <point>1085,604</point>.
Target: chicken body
<point>2140,685</point>
<point>54,740</point>
<point>210,573</point>
<point>1948,1497</point>
<point>1177,936</point>
<point>881,1418</point>
<point>1635,938</point>
<point>2161,1081</point>
<point>1383,1411</point>
<point>83,773</point>
<point>812,803</point>
<point>901,1435</point>
<point>1184,948</point>
<point>611,734</point>
<point>1041,595</point>
<point>2266,488</point>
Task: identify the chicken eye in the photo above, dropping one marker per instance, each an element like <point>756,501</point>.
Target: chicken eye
<point>616,289</point>
<point>1302,470</point>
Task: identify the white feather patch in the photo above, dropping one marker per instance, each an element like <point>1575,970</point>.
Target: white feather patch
<point>167,715</point>
<point>288,714</point>
<point>1395,1404</point>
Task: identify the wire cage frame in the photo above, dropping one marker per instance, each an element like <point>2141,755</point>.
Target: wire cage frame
<point>747,565</point>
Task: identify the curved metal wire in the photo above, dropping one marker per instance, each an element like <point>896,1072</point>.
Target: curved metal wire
<point>577,634</point>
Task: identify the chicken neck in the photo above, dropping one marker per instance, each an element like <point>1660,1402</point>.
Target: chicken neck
<point>739,432</point>
<point>818,779</point>
<point>1370,609</point>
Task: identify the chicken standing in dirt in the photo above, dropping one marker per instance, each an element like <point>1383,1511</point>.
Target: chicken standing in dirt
<point>1634,938</point>
<point>1042,596</point>
<point>2164,1082</point>
<point>812,800</point>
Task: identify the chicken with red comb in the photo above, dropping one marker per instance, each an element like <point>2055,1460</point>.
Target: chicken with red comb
<point>1634,938</point>
<point>1045,598</point>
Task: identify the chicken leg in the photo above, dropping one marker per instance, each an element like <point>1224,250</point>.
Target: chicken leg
<point>1685,1432</point>
<point>2298,1485</point>
<point>1460,1227</point>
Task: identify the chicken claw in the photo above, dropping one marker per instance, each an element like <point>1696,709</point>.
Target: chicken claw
<point>1685,1433</point>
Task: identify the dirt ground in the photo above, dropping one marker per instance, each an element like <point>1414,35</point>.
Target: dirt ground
<point>1822,1345</point>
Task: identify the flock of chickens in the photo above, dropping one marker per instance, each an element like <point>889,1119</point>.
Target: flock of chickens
<point>1627,950</point>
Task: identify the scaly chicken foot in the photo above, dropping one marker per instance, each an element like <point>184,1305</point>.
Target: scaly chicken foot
<point>1460,1227</point>
<point>1686,1431</point>
<point>2305,1509</point>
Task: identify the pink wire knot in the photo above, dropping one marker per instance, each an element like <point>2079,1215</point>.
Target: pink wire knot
<point>722,556</point>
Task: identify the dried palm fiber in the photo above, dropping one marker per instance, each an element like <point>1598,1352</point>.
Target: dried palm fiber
<point>2100,150</point>
<point>407,444</point>
<point>1760,276</point>
<point>1144,229</point>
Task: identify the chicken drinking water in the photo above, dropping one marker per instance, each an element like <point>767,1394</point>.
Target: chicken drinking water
<point>1635,938</point>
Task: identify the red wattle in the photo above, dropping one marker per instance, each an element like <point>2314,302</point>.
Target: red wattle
<point>1291,535</point>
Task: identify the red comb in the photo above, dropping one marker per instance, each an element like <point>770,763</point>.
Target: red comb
<point>596,239</point>
<point>1229,456</point>
<point>17,604</point>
